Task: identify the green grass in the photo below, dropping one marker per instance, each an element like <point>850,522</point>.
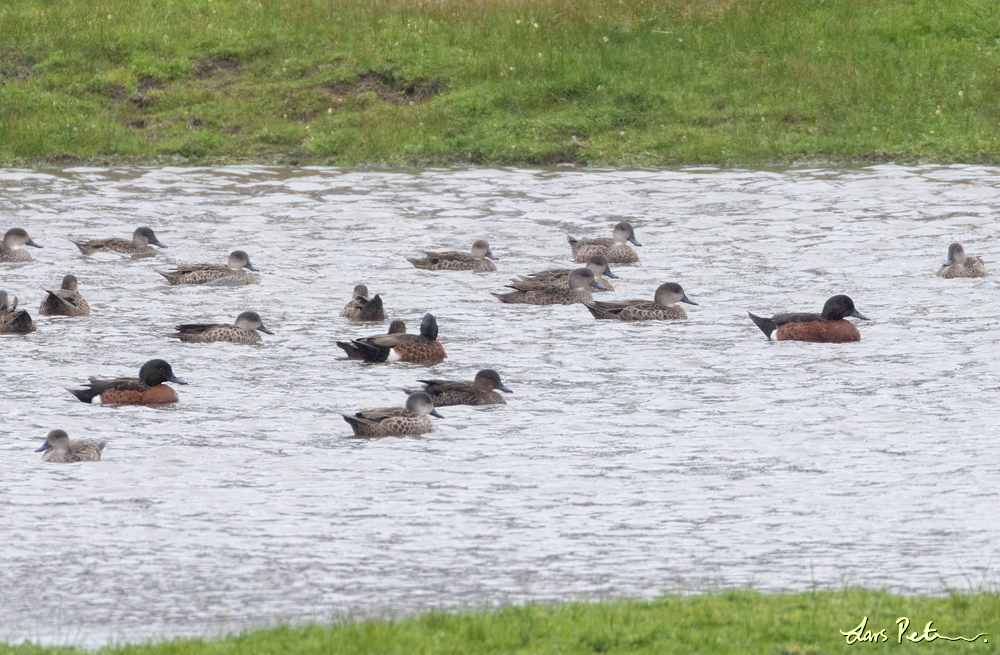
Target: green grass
<point>500,82</point>
<point>736,622</point>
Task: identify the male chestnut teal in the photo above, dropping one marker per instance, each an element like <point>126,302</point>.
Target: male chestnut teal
<point>12,319</point>
<point>235,272</point>
<point>560,276</point>
<point>65,301</point>
<point>959,264</point>
<point>616,249</point>
<point>142,242</point>
<point>354,352</point>
<point>396,421</point>
<point>476,260</point>
<point>828,327</point>
<point>59,449</point>
<point>538,293</point>
<point>364,308</point>
<point>147,389</point>
<point>423,348</point>
<point>662,308</point>
<point>12,248</point>
<point>478,392</point>
<point>245,330</point>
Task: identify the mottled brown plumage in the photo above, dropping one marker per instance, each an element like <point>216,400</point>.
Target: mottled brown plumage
<point>615,249</point>
<point>961,265</point>
<point>537,293</point>
<point>395,421</point>
<point>12,319</point>
<point>661,308</point>
<point>364,308</point>
<point>12,248</point>
<point>235,272</point>
<point>142,242</point>
<point>478,392</point>
<point>246,330</point>
<point>477,260</point>
<point>59,449</point>
<point>65,301</point>
<point>560,276</point>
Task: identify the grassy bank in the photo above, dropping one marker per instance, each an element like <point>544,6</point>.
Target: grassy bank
<point>500,82</point>
<point>734,622</point>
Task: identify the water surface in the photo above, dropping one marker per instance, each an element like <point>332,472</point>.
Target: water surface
<point>631,460</point>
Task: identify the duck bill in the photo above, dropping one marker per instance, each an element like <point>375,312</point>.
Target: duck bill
<point>156,243</point>
<point>251,267</point>
<point>176,380</point>
<point>489,253</point>
<point>951,260</point>
<point>504,389</point>
<point>435,413</point>
<point>633,241</point>
<point>858,314</point>
<point>31,242</point>
<point>45,446</point>
<point>598,285</point>
<point>688,300</point>
<point>265,330</point>
<point>609,273</point>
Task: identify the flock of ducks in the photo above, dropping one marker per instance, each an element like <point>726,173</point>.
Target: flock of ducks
<point>554,286</point>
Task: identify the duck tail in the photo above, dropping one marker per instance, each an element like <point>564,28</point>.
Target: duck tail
<point>83,395</point>
<point>766,325</point>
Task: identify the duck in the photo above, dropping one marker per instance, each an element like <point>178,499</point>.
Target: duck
<point>615,249</point>
<point>143,240</point>
<point>233,273</point>
<point>828,327</point>
<point>354,352</point>
<point>478,392</point>
<point>147,389</point>
<point>477,260</point>
<point>246,330</point>
<point>537,293</point>
<point>12,247</point>
<point>363,308</point>
<point>423,348</point>
<point>411,420</point>
<point>65,301</point>
<point>959,264</point>
<point>59,449</point>
<point>12,319</point>
<point>560,276</point>
<point>662,308</point>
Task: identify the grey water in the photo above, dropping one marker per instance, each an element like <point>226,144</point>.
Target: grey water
<point>631,459</point>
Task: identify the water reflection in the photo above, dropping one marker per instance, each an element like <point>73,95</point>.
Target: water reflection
<point>631,458</point>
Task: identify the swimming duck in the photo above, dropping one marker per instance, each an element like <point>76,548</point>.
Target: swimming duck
<point>537,293</point>
<point>395,421</point>
<point>65,301</point>
<point>12,319</point>
<point>142,241</point>
<point>661,308</point>
<point>58,449</point>
<point>478,260</point>
<point>231,273</point>
<point>363,308</point>
<point>12,248</point>
<point>246,330</point>
<point>961,265</point>
<point>478,392</point>
<point>560,276</point>
<point>423,348</point>
<point>828,327</point>
<point>147,389</point>
<point>353,352</point>
<point>615,249</point>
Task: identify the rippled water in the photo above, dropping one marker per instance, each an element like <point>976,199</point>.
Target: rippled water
<point>630,460</point>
